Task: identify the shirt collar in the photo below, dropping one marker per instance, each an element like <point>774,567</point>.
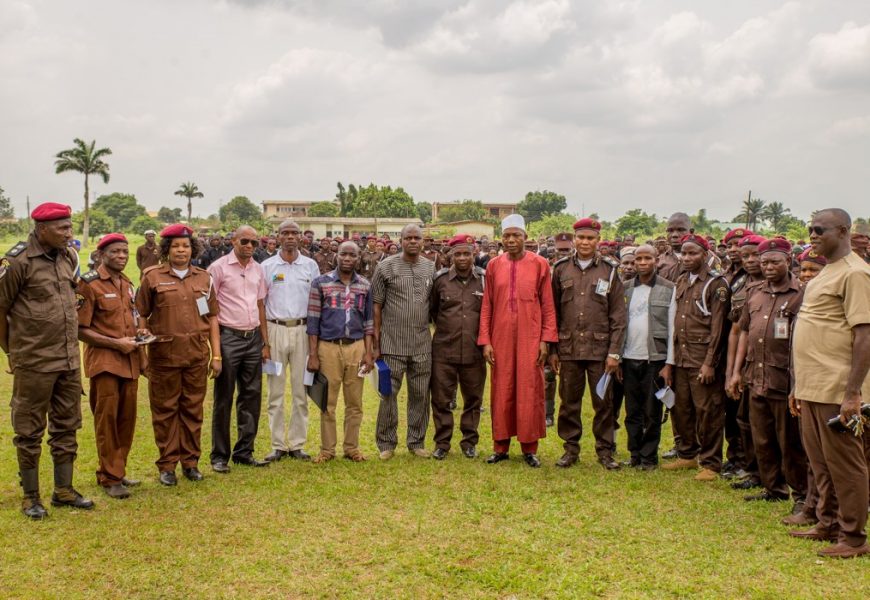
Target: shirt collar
<point>295,262</point>
<point>335,276</point>
<point>638,282</point>
<point>452,274</point>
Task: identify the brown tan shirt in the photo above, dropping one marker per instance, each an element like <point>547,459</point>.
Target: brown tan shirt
<point>108,309</point>
<point>325,261</point>
<point>455,309</point>
<point>835,301</point>
<point>38,291</point>
<point>698,336</point>
<point>369,259</point>
<point>147,256</point>
<point>170,305</point>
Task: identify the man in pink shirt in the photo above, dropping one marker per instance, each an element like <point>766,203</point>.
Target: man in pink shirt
<point>240,288</point>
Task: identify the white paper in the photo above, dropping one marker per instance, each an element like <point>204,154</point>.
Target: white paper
<point>273,367</point>
<point>308,376</point>
<point>666,395</point>
<point>603,383</point>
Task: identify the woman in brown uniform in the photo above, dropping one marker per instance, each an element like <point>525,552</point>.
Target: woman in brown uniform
<point>181,308</point>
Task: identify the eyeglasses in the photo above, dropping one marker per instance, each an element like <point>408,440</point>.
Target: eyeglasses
<point>247,241</point>
<point>818,229</point>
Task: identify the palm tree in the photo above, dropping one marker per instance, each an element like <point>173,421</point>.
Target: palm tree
<point>752,211</point>
<point>83,158</point>
<point>189,190</point>
<point>776,214</point>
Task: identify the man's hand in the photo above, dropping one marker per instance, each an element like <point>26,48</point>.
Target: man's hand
<point>850,407</point>
<point>667,374</point>
<point>367,363</point>
<point>794,406</point>
<point>313,364</point>
<point>554,362</point>
<point>734,388</point>
<point>216,368</point>
<point>488,354</point>
<point>706,374</point>
<point>127,344</point>
<point>267,353</point>
<point>543,353</point>
<point>611,365</point>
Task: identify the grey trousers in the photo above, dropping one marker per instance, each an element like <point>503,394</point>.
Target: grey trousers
<point>416,369</point>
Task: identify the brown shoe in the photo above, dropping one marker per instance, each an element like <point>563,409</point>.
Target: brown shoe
<point>816,533</point>
<point>681,463</point>
<point>706,475</point>
<point>322,458</point>
<point>842,550</point>
<point>800,520</point>
<point>356,457</point>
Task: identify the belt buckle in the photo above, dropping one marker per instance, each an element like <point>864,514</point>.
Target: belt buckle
<point>248,334</point>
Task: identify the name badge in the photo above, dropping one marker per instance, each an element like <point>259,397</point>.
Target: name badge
<point>603,287</point>
<point>110,295</point>
<point>780,328</point>
<point>202,305</point>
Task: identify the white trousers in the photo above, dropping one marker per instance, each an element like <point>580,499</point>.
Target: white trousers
<point>289,345</point>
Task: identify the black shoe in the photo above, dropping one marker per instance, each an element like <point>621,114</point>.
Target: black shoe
<point>118,491</point>
<point>608,463</point>
<point>299,455</point>
<point>647,467</point>
<point>670,454</point>
<point>632,462</point>
<point>192,473</point>
<point>168,478</point>
<point>470,452</point>
<point>220,466</point>
<point>70,497</point>
<point>130,482</point>
<point>439,454</point>
<point>33,509</point>
<point>250,461</point>
<point>549,422</point>
<point>497,457</point>
<point>275,455</point>
<point>567,460</point>
<point>746,484</point>
<point>532,460</point>
<point>764,495</point>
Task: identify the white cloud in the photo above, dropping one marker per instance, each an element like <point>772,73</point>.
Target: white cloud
<point>842,59</point>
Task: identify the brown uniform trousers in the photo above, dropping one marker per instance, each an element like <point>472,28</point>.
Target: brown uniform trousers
<point>699,410</point>
<point>734,437</point>
<point>456,357</point>
<point>107,309</point>
<point>38,292</point>
<point>591,326</point>
<point>178,360</point>
<point>781,460</point>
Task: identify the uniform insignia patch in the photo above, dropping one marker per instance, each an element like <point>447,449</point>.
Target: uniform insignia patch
<point>90,276</point>
<point>80,301</point>
<point>722,294</point>
<point>17,249</point>
<point>4,266</point>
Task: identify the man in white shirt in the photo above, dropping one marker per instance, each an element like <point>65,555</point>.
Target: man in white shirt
<point>648,357</point>
<point>289,275</point>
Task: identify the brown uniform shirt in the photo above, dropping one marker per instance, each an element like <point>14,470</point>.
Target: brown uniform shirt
<point>108,309</point>
<point>766,370</point>
<point>432,255</point>
<point>591,324</point>
<point>38,291</point>
<point>368,261</point>
<point>147,257</point>
<point>698,336</point>
<point>455,310</point>
<point>170,305</point>
<point>671,267</point>
<point>325,261</point>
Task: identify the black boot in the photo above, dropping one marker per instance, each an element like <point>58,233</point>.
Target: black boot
<point>31,505</point>
<point>64,493</point>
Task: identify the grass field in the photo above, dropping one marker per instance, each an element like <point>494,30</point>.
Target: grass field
<point>407,528</point>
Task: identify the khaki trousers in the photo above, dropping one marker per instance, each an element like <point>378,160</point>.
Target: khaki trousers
<point>340,365</point>
<point>289,345</point>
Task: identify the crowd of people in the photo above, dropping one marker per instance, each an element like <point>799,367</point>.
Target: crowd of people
<point>756,349</point>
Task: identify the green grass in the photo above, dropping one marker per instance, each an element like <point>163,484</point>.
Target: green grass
<point>407,528</point>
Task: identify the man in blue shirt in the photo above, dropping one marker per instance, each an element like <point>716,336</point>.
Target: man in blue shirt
<point>340,331</point>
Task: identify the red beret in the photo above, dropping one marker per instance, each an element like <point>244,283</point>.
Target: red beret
<point>695,239</point>
<point>111,238</point>
<point>809,255</point>
<point>774,245</point>
<point>337,239</point>
<point>587,223</point>
<point>751,240</point>
<point>51,211</point>
<point>176,230</point>
<point>736,234</point>
<point>461,239</point>
<point>356,236</point>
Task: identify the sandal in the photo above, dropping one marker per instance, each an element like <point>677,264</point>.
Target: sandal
<point>322,458</point>
<point>357,457</point>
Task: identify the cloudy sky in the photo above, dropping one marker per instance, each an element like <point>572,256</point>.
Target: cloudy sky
<point>660,104</point>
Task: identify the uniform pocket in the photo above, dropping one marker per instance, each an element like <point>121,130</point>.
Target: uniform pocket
<point>167,296</point>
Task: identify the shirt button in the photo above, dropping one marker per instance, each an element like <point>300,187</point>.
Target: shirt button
<point>761,341</point>
<point>581,314</point>
<point>765,316</point>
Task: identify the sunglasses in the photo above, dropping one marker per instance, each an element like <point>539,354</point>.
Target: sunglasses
<point>818,230</point>
<point>247,241</point>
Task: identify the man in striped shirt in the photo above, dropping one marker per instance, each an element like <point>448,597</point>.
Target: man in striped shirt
<point>400,291</point>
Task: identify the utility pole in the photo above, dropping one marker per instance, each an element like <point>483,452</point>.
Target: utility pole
<point>28,206</point>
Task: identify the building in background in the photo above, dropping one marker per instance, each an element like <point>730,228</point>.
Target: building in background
<point>495,211</point>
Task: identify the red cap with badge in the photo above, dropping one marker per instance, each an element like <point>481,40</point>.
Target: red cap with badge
<point>695,239</point>
<point>51,211</point>
<point>176,230</point>
<point>751,240</point>
<point>587,223</point>
<point>111,238</point>
<point>461,239</point>
<point>736,234</point>
<point>775,245</point>
<point>809,255</point>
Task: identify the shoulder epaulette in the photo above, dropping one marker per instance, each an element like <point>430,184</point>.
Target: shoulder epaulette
<point>561,260</point>
<point>17,249</point>
<point>754,284</point>
<point>715,273</point>
<point>479,271</point>
<point>149,269</point>
<point>439,273</point>
<point>610,261</point>
<point>90,276</point>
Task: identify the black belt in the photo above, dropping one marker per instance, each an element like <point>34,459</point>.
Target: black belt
<point>242,333</point>
<point>342,341</point>
<point>289,322</point>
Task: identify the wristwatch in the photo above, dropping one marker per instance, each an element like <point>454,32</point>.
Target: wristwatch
<point>615,357</point>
